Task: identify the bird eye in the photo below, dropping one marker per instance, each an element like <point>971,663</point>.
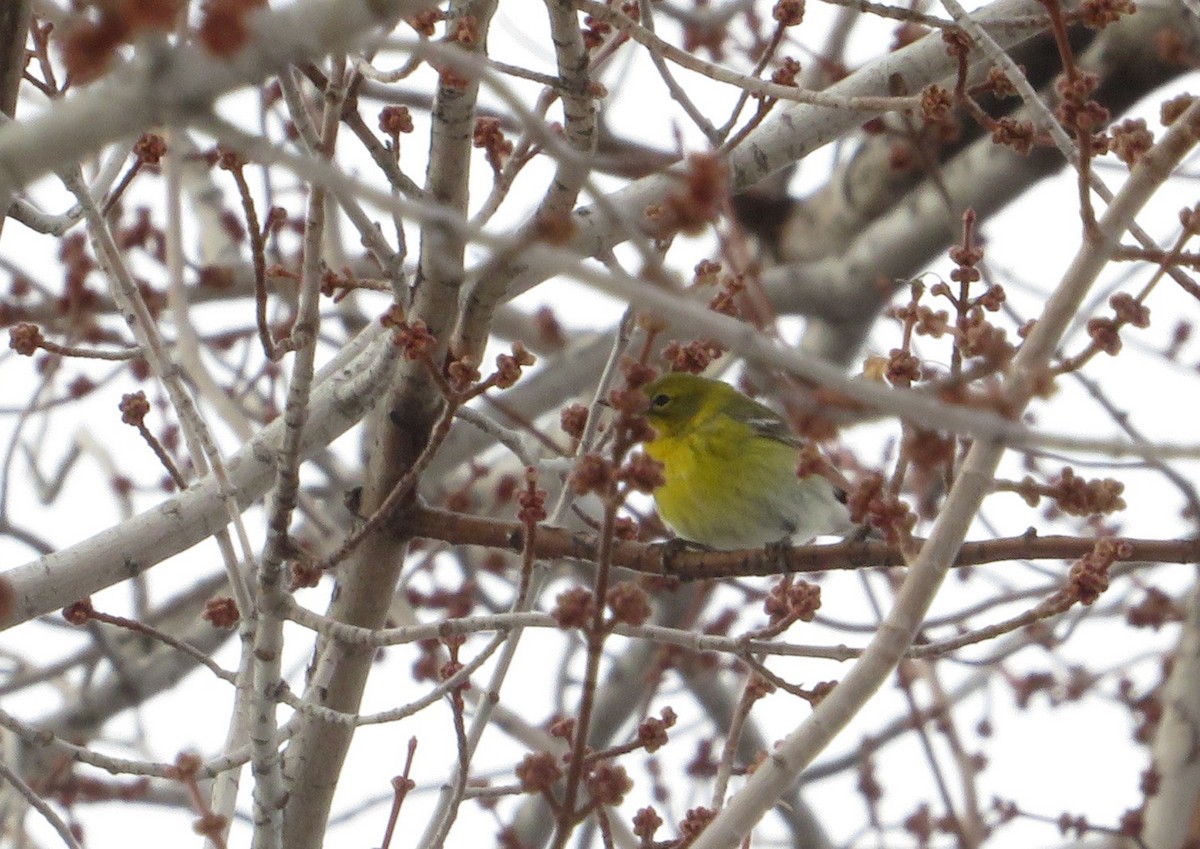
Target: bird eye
<point>660,400</point>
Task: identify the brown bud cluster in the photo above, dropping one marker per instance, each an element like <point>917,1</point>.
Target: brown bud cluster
<point>608,783</point>
<point>937,110</point>
<point>1129,310</point>
<point>425,22</point>
<point>221,612</point>
<point>25,339</point>
<point>958,43</point>
<point>637,374</point>
<point>788,72</point>
<point>150,149</point>
<point>462,374</point>
<point>394,120</point>
<point>490,138</point>
<point>1130,139</point>
<point>538,772</point>
<point>1074,495</point>
<point>699,201</point>
<point>1105,335</point>
<point>1014,133</point>
<point>695,822</point>
<point>574,608</point>
<point>1088,577</point>
<point>532,501</point>
<point>595,31</point>
<point>134,408</point>
<point>788,13</point>
<point>692,357</point>
<point>229,159</point>
<point>1173,108</point>
<point>223,26</point>
<point>725,301</point>
<point>304,575</point>
<point>592,473</point>
<point>652,732</point>
<point>629,603</point>
<point>79,613</point>
<point>789,601</point>
<point>415,339</point>
<point>629,403</point>
<point>871,504</point>
<point>758,687</point>
<point>641,472</point>
<point>573,419</point>
<point>1097,14</point>
<point>999,83</point>
<point>1154,611</point>
<point>981,339</point>
<point>1076,109</point>
<point>904,368</point>
<point>645,823</point>
<point>89,46</point>
<point>508,366</point>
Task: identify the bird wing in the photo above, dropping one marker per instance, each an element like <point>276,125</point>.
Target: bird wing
<point>763,420</point>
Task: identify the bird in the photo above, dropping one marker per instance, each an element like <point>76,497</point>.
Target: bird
<point>729,469</point>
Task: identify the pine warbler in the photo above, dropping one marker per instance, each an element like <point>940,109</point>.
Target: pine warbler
<point>730,469</point>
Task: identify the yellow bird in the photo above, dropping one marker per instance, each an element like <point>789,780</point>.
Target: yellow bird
<point>730,469</point>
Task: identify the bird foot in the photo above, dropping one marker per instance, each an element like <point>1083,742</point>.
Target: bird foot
<point>777,552</point>
<point>862,533</point>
